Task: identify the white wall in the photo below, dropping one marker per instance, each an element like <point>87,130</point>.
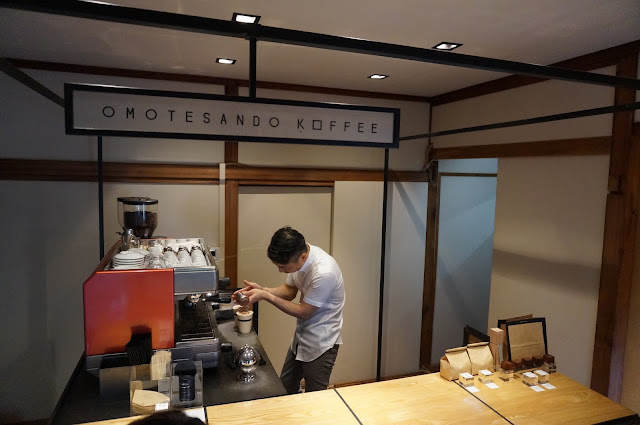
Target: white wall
<point>356,246</point>
<point>546,98</point>
<point>184,210</point>
<point>404,277</point>
<point>33,127</point>
<point>50,231</point>
<point>463,275</point>
<point>548,248</point>
<point>414,119</point>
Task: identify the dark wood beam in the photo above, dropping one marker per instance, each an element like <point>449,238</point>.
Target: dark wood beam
<point>52,170</point>
<point>589,62</point>
<point>242,172</point>
<point>430,264</point>
<point>562,147</point>
<point>205,79</point>
<point>618,252</point>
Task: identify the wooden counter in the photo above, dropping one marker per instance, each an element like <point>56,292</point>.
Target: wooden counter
<point>425,399</point>
<point>317,408</point>
<point>569,403</point>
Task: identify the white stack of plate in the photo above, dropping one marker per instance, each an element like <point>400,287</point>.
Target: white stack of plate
<point>127,260</point>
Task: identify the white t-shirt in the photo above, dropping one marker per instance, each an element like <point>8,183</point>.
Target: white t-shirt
<point>320,282</point>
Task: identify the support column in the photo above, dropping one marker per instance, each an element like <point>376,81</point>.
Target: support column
<point>619,245</point>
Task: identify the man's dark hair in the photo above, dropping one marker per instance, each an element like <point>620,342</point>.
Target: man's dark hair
<point>168,417</point>
<point>286,245</point>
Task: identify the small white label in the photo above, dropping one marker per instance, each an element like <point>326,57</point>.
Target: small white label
<point>197,412</point>
<point>541,372</point>
<point>162,406</point>
<point>472,389</point>
<point>529,375</point>
<point>536,388</point>
<point>486,372</point>
<point>492,385</point>
<point>466,375</point>
<point>549,386</point>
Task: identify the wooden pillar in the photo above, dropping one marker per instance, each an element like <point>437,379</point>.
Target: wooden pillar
<point>430,262</point>
<point>231,206</point>
<point>619,244</point>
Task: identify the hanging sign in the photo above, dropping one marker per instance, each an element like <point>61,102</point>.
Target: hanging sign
<point>122,111</point>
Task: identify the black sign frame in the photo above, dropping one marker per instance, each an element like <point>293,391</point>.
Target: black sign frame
<point>70,88</point>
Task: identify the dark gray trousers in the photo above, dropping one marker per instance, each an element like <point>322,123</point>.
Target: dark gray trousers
<point>316,373</point>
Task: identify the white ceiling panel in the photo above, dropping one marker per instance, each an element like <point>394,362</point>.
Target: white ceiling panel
<point>543,32</point>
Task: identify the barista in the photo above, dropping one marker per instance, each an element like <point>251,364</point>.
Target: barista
<point>317,276</point>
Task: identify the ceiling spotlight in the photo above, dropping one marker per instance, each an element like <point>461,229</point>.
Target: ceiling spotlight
<point>377,76</point>
<point>244,18</point>
<point>445,45</point>
<point>226,61</point>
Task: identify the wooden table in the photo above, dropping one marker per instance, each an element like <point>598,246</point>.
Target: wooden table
<point>569,403</point>
<point>424,399</point>
<point>316,408</point>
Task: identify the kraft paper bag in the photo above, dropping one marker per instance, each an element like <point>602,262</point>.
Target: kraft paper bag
<point>502,324</point>
<point>454,362</point>
<point>480,357</point>
<point>527,339</point>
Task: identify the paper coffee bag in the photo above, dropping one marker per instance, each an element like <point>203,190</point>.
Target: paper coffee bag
<point>454,362</point>
<point>480,357</point>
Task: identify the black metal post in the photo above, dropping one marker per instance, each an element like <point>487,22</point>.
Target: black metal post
<point>100,198</point>
<point>382,259</point>
<point>253,59</point>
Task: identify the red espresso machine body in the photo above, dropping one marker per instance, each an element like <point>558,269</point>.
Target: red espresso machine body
<point>120,303</point>
<point>168,302</point>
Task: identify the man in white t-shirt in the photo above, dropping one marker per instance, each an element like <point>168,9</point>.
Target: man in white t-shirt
<point>317,276</point>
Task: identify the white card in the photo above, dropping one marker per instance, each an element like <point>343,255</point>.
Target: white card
<point>472,389</point>
<point>536,388</point>
<point>162,406</point>
<point>492,385</point>
<point>197,412</point>
<point>466,375</point>
<point>549,386</point>
<point>486,372</point>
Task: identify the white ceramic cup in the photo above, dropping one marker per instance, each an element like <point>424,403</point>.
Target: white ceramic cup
<point>245,320</point>
<point>236,307</point>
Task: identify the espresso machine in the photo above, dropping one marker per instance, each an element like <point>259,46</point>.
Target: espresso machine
<point>170,304</point>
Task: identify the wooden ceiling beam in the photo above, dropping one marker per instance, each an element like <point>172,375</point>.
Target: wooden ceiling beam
<point>589,62</point>
<point>562,147</point>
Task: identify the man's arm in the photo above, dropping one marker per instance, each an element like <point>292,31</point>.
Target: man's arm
<point>301,311</point>
<point>280,297</point>
<point>283,291</point>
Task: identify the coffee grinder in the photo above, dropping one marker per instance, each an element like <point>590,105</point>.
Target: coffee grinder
<point>138,214</point>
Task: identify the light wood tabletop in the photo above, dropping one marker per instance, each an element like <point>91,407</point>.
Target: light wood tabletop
<point>424,399</point>
<point>315,408</point>
<point>569,403</point>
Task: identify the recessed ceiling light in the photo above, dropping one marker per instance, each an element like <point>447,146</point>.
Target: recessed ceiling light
<point>446,45</point>
<point>226,61</point>
<point>245,19</point>
<point>377,76</point>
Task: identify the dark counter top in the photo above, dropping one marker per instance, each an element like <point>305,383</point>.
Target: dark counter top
<point>81,401</point>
